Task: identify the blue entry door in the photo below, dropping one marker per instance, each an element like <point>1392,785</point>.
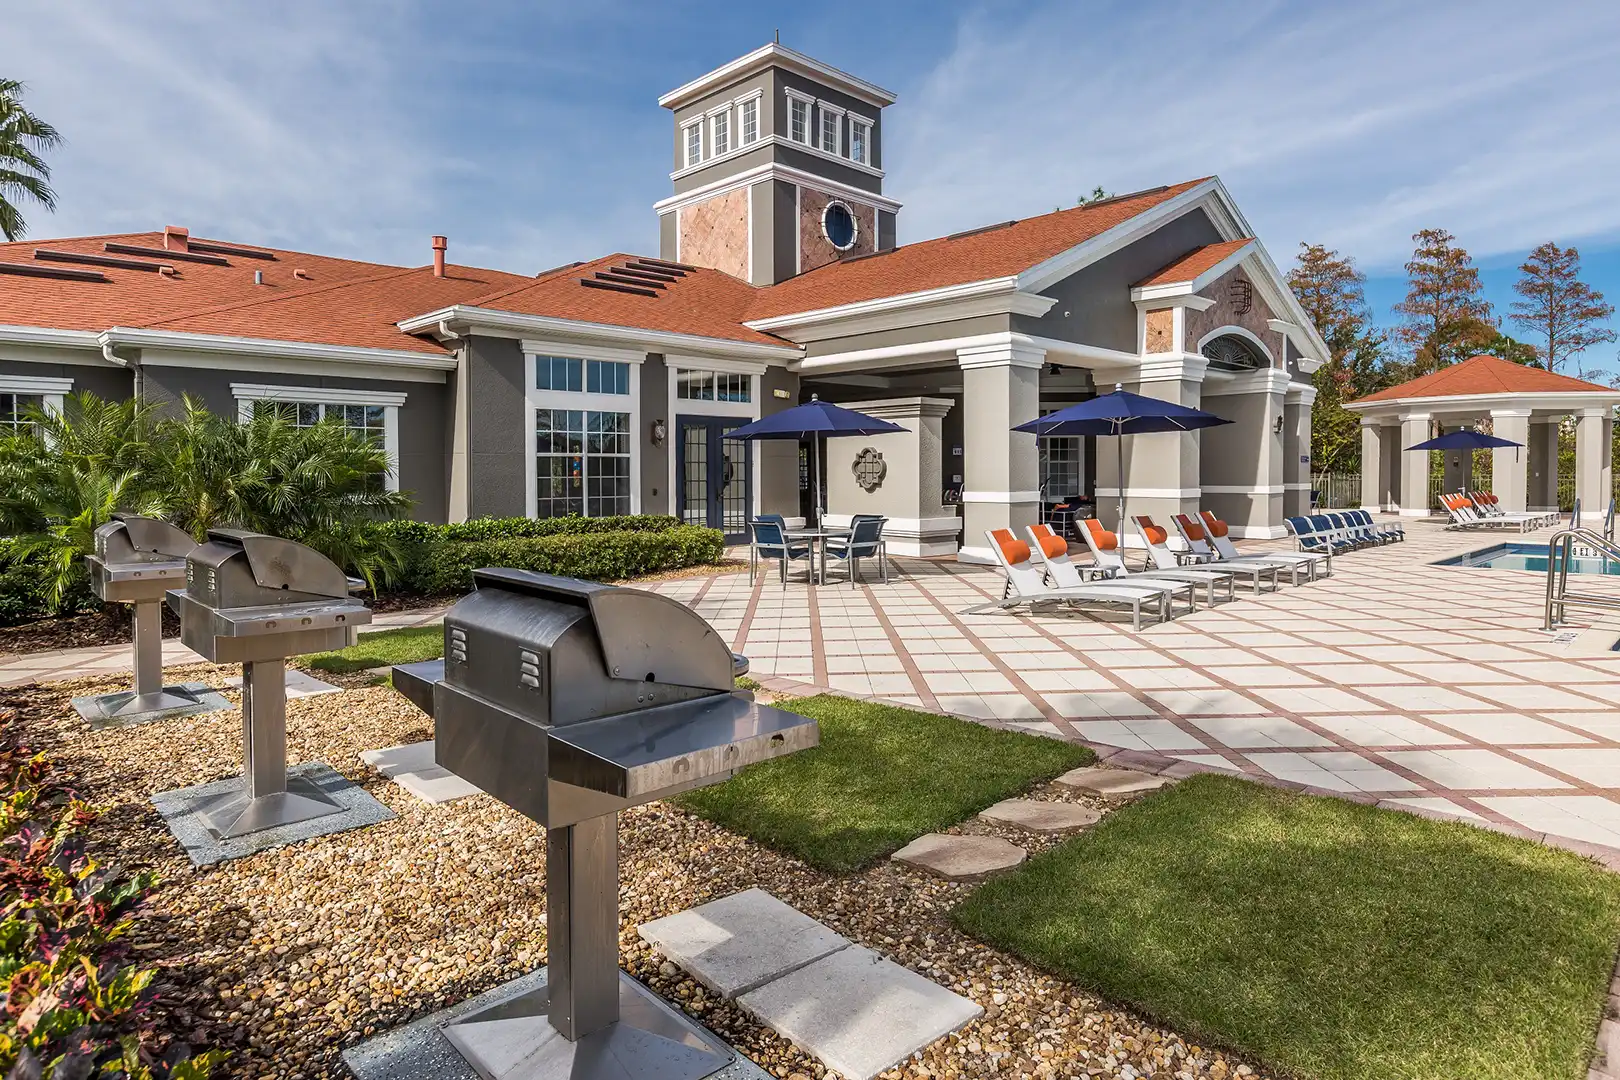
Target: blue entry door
<point>714,475</point>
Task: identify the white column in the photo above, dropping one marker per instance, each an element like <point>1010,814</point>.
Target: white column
<point>1001,490</point>
<point>1297,451</point>
<point>1372,466</point>
<point>1593,430</point>
<point>1414,501</point>
<point>1510,465</point>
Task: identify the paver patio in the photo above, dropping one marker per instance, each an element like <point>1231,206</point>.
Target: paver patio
<point>1431,686</point>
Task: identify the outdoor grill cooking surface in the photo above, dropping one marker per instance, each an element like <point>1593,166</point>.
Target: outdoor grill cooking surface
<point>256,600</point>
<point>136,559</point>
<point>570,701</point>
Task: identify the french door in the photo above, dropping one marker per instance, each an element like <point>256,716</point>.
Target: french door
<point>715,474</point>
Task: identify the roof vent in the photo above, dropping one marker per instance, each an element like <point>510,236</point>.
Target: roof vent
<point>176,239</point>
<point>168,271</point>
<point>300,273</point>
<point>613,286</point>
<point>229,249</point>
<point>441,244</point>
<point>61,273</point>
<point>50,255</point>
<point>981,229</point>
<point>160,253</point>
<point>258,277</point>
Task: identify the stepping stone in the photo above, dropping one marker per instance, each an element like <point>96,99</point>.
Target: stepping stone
<point>299,684</point>
<point>412,767</point>
<point>960,858</point>
<point>1038,816</point>
<point>740,942</point>
<point>857,1012</point>
<point>1114,782</point>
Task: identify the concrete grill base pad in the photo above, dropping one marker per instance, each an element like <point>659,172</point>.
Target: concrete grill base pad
<point>419,1051</point>
<point>413,768</point>
<point>742,941</point>
<point>94,707</point>
<point>182,811</point>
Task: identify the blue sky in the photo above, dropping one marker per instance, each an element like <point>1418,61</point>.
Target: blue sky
<point>529,131</point>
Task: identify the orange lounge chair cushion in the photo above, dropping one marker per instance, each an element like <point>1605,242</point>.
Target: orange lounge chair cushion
<point>1194,532</point>
<point>1105,540</point>
<point>1154,534</point>
<point>1014,550</point>
<point>1217,527</point>
<point>1054,546</point>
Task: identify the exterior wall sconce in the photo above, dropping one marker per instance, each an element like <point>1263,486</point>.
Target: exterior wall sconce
<point>1277,424</point>
<point>659,432</point>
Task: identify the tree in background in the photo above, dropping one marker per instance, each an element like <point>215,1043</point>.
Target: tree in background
<point>1444,318</point>
<point>1509,348</point>
<point>1563,314</point>
<point>23,173</point>
<point>1330,289</point>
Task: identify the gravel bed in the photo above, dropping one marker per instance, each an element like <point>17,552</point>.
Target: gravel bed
<point>289,956</point>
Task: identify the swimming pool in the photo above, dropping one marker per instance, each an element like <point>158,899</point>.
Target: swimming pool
<point>1528,556</point>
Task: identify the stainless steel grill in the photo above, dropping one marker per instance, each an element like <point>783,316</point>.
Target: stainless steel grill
<point>256,600</point>
<point>570,701</point>
<point>136,560</point>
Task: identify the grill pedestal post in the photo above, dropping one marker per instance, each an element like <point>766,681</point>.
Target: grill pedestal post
<point>148,647</point>
<point>268,797</point>
<point>150,699</point>
<point>590,1022</point>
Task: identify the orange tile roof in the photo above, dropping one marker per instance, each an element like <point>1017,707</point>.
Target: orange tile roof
<point>707,303</point>
<point>1486,375</point>
<point>138,297</point>
<point>1195,262</point>
<point>976,255</point>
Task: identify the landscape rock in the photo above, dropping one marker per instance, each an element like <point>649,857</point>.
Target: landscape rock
<point>960,858</point>
<point>1039,816</point>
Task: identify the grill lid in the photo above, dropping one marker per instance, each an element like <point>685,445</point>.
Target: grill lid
<point>153,536</point>
<point>282,564</point>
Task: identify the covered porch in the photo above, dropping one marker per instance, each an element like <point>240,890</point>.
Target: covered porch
<point>1525,405</point>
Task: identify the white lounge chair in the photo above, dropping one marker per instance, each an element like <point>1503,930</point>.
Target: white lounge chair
<point>1216,532</point>
<point>1158,546</point>
<point>1489,507</point>
<point>1106,559</point>
<point>1464,516</point>
<point>1197,535</point>
<point>1027,585</point>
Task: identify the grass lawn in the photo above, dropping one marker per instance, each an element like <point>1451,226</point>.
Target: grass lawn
<point>1329,940</point>
<point>881,777</point>
<point>406,645</point>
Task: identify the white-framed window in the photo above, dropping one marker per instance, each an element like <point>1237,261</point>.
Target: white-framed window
<point>372,413</point>
<point>730,386</point>
<point>860,140</point>
<point>748,122</point>
<point>18,392</point>
<point>692,141</point>
<point>829,128</point>
<point>720,133</point>
<point>799,118</point>
<point>583,431</point>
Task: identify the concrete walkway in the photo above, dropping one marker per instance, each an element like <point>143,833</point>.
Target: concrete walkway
<point>57,664</point>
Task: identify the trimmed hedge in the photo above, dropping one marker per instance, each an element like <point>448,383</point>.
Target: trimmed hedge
<point>418,532</point>
<point>596,556</point>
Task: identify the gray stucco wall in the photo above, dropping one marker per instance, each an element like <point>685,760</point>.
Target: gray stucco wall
<point>1094,304</point>
<point>654,459</point>
<point>724,167</point>
<point>668,230</point>
<point>778,458</point>
<point>910,335</point>
<point>686,113</point>
<point>496,463</point>
<point>424,443</point>
<point>784,229</point>
<point>839,99</point>
<point>102,380</point>
<point>762,232</point>
<point>886,230</point>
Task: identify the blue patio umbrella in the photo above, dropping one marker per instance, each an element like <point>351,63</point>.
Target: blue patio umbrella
<point>1464,440</point>
<point>813,420</point>
<point>1117,414</point>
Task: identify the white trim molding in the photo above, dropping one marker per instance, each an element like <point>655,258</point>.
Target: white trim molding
<point>776,55</point>
<point>50,390</point>
<point>1001,497</point>
<point>1006,353</point>
<point>1299,394</point>
<point>1258,381</point>
<point>1167,367</point>
<point>573,350</point>
<point>535,398</point>
<point>1151,493</point>
<point>302,350</point>
<point>1172,289</point>
<point>1233,330</point>
<point>774,170</point>
<point>45,335</point>
<point>1238,489</point>
<point>514,324</point>
<point>1016,302</point>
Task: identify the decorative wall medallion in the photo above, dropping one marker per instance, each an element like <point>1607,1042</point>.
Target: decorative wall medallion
<point>1242,297</point>
<point>869,469</point>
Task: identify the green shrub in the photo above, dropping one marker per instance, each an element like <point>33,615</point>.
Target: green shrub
<point>420,532</point>
<point>596,556</point>
<point>25,588</point>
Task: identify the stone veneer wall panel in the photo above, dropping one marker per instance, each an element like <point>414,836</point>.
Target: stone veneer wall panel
<point>1161,331</point>
<point>714,233</point>
<point>1225,313</point>
<point>814,248</point>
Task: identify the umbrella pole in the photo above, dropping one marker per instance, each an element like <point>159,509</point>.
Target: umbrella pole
<point>817,500</point>
<point>1119,460</point>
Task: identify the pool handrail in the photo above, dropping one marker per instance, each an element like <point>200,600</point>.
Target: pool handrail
<point>1560,549</point>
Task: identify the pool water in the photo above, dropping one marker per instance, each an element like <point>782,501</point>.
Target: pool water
<point>1529,556</point>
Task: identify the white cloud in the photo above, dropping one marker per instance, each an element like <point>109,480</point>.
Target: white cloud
<point>1352,125</point>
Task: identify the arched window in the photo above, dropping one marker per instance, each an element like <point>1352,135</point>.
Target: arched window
<point>1229,352</point>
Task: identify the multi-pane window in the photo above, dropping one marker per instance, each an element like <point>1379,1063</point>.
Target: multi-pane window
<point>720,140</point>
<point>693,135</point>
<point>367,420</point>
<point>582,462</point>
<point>1060,468</point>
<point>13,412</point>
<point>799,120</point>
<point>712,386</point>
<point>829,131</point>
<point>860,134</point>
<point>748,122</point>
<point>569,374</point>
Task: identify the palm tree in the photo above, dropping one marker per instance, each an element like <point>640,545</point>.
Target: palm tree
<point>23,138</point>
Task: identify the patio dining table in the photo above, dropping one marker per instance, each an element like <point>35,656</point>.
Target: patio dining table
<point>818,538</point>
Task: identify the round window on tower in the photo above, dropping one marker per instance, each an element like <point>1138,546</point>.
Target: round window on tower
<point>838,225</point>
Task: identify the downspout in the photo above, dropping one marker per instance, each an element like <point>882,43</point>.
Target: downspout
<point>137,374</point>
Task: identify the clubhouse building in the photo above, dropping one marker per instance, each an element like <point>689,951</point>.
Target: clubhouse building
<point>605,386</point>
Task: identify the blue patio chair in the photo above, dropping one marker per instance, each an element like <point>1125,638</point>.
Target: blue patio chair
<point>1387,534</point>
<point>865,541</point>
<point>1350,530</point>
<point>770,544</point>
<point>1334,538</point>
